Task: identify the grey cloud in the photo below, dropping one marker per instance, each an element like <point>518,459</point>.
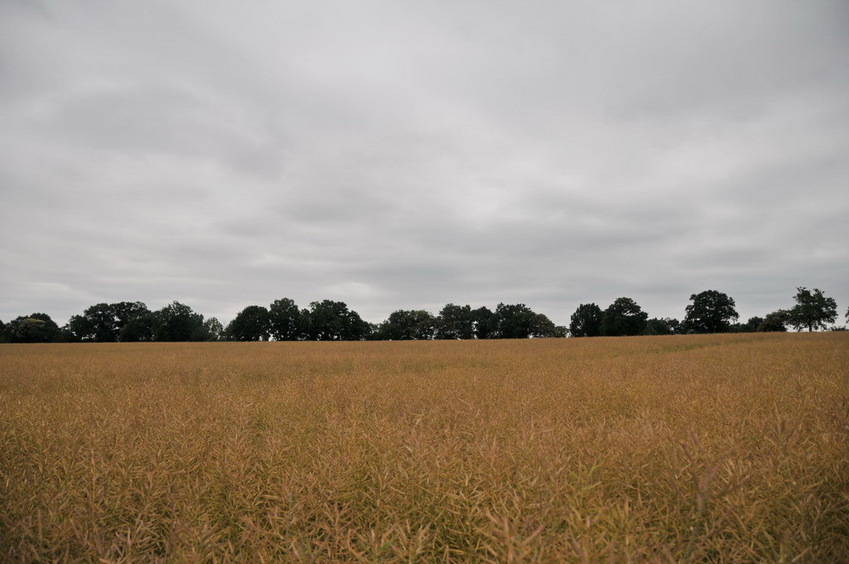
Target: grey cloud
<point>403,156</point>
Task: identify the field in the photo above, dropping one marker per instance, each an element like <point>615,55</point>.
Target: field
<point>724,448</point>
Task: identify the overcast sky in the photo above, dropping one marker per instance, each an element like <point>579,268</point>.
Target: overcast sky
<point>403,155</point>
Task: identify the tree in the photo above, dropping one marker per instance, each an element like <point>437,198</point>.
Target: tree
<point>812,310</point>
<point>138,329</point>
<point>455,322</point>
<point>250,324</point>
<point>79,327</point>
<point>586,321</point>
<point>484,322</point>
<point>661,326</point>
<point>33,328</point>
<point>333,321</point>
<point>405,325</point>
<point>4,337</point>
<point>751,325</point>
<point>286,321</point>
<point>177,322</point>
<point>103,322</point>
<point>373,332</point>
<point>542,327</point>
<point>214,329</point>
<point>97,323</point>
<point>775,321</point>
<point>512,321</point>
<point>126,312</point>
<point>710,312</point>
<point>623,317</point>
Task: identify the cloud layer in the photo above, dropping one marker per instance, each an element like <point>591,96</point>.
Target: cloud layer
<point>394,155</point>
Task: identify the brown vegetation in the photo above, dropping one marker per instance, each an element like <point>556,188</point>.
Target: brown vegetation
<point>722,448</point>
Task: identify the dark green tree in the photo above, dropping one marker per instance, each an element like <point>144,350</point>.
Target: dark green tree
<point>33,328</point>
<point>455,322</point>
<point>661,326</point>
<point>98,324</point>
<point>406,325</point>
<point>213,329</point>
<point>543,327</point>
<point>4,337</point>
<point>813,310</point>
<point>129,311</point>
<point>285,320</point>
<point>586,321</point>
<point>333,321</point>
<point>484,321</point>
<point>710,312</point>
<point>250,324</point>
<point>423,325</point>
<point>177,322</point>
<point>623,318</point>
<point>373,332</point>
<point>775,321</point>
<point>751,325</point>
<point>80,328</point>
<point>136,330</point>
<point>512,321</point>
<point>103,322</point>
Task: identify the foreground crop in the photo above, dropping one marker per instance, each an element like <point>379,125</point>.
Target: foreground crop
<point>713,448</point>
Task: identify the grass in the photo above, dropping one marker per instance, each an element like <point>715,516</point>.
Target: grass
<point>724,448</point>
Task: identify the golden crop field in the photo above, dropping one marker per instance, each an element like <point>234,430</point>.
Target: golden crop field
<point>718,448</point>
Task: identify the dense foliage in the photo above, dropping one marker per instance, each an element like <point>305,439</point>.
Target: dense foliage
<point>623,318</point>
<point>813,310</point>
<point>327,320</point>
<point>710,312</point>
<point>586,321</point>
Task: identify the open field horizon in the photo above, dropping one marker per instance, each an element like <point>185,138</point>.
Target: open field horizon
<point>722,448</point>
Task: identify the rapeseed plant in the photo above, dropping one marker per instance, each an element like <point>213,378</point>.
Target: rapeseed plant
<point>720,448</point>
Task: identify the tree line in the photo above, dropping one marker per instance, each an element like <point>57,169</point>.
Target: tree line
<point>709,312</point>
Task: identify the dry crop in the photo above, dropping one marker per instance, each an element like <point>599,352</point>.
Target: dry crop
<point>723,448</point>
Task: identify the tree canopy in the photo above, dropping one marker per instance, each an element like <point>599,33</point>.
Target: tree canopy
<point>586,321</point>
<point>710,312</point>
<point>775,321</point>
<point>483,320</point>
<point>251,324</point>
<point>661,326</point>
<point>285,320</point>
<point>104,323</point>
<point>178,322</point>
<point>512,321</point>
<point>455,322</point>
<point>623,318</point>
<point>33,328</point>
<point>330,320</point>
<point>813,310</point>
<point>407,325</point>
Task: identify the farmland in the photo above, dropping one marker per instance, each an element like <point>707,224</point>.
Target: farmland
<point>722,448</point>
